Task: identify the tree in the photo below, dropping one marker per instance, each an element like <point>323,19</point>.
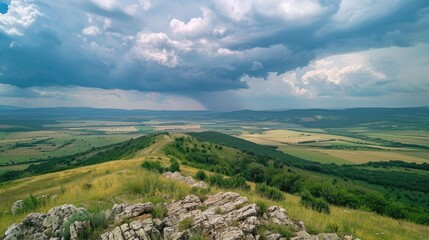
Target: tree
<point>255,172</point>
<point>201,175</point>
<point>174,166</point>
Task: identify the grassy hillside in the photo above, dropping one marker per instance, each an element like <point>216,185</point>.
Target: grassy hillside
<point>99,186</point>
<point>120,150</point>
<point>336,184</point>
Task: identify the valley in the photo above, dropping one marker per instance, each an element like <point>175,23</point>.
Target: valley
<point>370,179</point>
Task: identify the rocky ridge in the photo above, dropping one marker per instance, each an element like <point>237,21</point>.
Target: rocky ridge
<point>226,216</point>
<point>188,180</point>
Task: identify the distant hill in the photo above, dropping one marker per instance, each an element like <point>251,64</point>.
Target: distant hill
<point>415,117</point>
<point>336,118</point>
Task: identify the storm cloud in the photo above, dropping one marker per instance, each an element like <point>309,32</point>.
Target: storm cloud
<point>193,47</point>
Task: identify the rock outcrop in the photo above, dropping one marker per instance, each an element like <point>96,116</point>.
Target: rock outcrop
<point>226,216</point>
<point>188,180</point>
<point>42,226</point>
<point>17,206</point>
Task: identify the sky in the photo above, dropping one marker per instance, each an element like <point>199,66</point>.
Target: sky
<point>216,55</point>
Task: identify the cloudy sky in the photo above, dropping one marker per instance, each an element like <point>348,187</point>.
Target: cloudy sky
<point>216,55</point>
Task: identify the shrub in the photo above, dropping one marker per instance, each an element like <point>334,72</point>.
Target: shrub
<point>98,222</point>
<point>201,175</point>
<point>31,203</point>
<point>159,211</point>
<point>269,192</point>
<point>153,166</point>
<point>218,210</point>
<point>185,224</point>
<point>263,207</point>
<point>174,166</point>
<point>317,204</point>
<point>255,172</point>
<point>232,182</point>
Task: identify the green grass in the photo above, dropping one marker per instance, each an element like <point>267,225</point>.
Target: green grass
<point>310,155</point>
<point>27,146</point>
<point>108,180</point>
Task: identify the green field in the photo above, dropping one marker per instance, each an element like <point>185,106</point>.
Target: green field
<point>35,145</point>
<point>116,181</point>
<point>348,146</point>
<point>311,154</point>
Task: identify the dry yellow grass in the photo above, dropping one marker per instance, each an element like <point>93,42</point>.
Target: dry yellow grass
<point>357,156</point>
<point>278,137</point>
<point>113,182</point>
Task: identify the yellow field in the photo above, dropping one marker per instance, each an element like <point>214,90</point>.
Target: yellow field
<point>177,127</point>
<point>278,137</point>
<point>116,182</point>
<point>409,137</point>
<point>115,129</point>
<point>291,141</point>
<point>358,157</point>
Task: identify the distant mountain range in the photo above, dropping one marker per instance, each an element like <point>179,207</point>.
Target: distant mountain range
<point>323,118</point>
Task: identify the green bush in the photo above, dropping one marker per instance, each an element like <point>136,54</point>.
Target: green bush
<point>201,175</point>
<point>153,166</point>
<point>269,192</point>
<point>159,211</point>
<point>98,223</point>
<point>174,166</point>
<point>185,224</point>
<point>31,203</point>
<point>232,182</point>
<point>317,204</point>
<point>263,207</point>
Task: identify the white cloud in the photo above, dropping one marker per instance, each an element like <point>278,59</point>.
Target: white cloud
<point>360,74</point>
<point>353,12</point>
<point>21,15</point>
<point>194,27</point>
<point>94,97</point>
<point>91,31</point>
<point>157,47</point>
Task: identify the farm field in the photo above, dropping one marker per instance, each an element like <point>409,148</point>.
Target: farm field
<point>23,146</point>
<point>107,185</point>
<point>329,148</point>
<point>312,154</point>
<point>408,137</point>
<point>358,157</point>
<point>279,137</point>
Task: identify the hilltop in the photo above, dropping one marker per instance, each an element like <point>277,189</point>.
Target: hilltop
<point>98,187</point>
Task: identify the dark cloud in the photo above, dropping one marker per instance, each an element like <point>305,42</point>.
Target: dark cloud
<point>204,47</point>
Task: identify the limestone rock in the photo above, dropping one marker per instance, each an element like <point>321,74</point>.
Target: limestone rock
<point>137,229</point>
<point>279,216</point>
<point>303,235</point>
<point>126,211</point>
<point>42,226</point>
<point>77,229</point>
<point>188,180</point>
<point>226,202</point>
<point>17,206</point>
<point>226,216</point>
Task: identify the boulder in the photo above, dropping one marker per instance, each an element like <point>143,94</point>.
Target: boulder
<point>279,216</point>
<point>17,206</point>
<point>42,226</point>
<point>126,211</point>
<point>137,229</point>
<point>188,180</point>
<point>78,229</point>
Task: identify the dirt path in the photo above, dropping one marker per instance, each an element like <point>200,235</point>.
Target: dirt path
<point>155,149</point>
